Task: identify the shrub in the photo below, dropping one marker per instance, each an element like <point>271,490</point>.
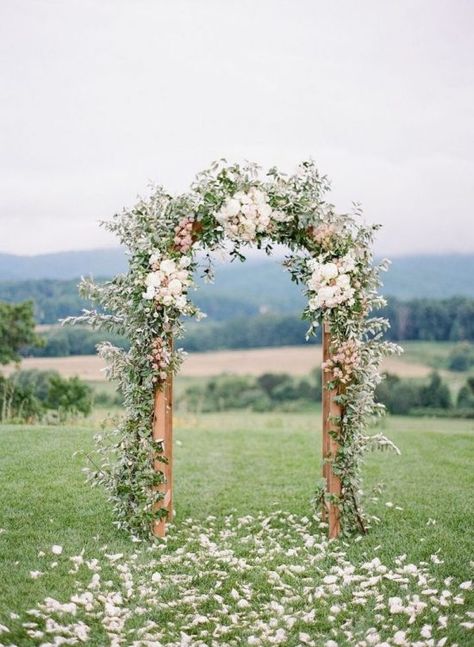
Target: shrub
<point>399,396</point>
<point>461,358</point>
<point>465,398</point>
<point>435,394</point>
<point>30,395</point>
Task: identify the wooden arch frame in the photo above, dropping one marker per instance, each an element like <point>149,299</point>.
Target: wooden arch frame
<point>163,432</point>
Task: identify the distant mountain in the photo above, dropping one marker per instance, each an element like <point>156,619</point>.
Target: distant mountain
<point>62,265</point>
<point>409,277</point>
<point>260,281</point>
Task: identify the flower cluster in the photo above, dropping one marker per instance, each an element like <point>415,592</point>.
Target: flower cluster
<point>160,358</point>
<point>168,281</point>
<point>331,283</point>
<point>183,239</point>
<point>344,362</point>
<point>247,214</point>
<point>323,234</point>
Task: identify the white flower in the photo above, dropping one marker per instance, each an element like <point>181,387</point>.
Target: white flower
<point>154,258</point>
<point>167,300</point>
<point>181,302</point>
<point>399,638</point>
<point>56,550</point>
<point>154,279</point>
<point>182,275</point>
<point>347,263</point>
<point>232,207</point>
<point>329,271</point>
<point>343,280</point>
<point>150,293</point>
<point>281,216</point>
<point>184,261</point>
<point>175,286</point>
<point>35,574</point>
<point>168,266</point>
<point>330,579</point>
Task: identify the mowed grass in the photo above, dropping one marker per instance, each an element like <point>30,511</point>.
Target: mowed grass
<point>242,463</point>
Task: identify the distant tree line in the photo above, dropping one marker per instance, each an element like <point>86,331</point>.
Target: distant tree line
<point>283,392</point>
<point>243,332</point>
<point>431,319</point>
<point>417,319</point>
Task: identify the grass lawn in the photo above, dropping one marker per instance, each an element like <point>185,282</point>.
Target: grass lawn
<point>244,467</point>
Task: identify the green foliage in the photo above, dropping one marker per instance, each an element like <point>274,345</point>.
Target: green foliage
<point>54,299</point>
<point>435,394</point>
<point>461,358</point>
<point>17,327</point>
<point>465,398</point>
<point>431,320</point>
<point>63,342</point>
<point>399,396</point>
<point>32,395</point>
<point>406,396</point>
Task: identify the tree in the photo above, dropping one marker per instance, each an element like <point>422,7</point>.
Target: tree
<point>435,394</point>
<point>17,329</point>
<point>466,395</point>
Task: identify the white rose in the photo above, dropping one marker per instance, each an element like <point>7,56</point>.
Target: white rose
<point>154,279</point>
<point>258,195</point>
<point>326,292</point>
<point>348,263</point>
<point>184,261</point>
<point>168,266</point>
<point>183,276</point>
<point>167,300</point>
<point>240,196</point>
<point>329,271</point>
<point>232,207</point>
<point>265,210</point>
<point>249,210</point>
<point>150,293</point>
<point>180,302</point>
<point>154,258</point>
<point>280,216</point>
<point>244,198</point>
<point>343,280</point>
<point>314,283</point>
<point>175,286</point>
<point>313,303</point>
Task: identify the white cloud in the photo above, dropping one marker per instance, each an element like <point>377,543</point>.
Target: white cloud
<point>102,96</point>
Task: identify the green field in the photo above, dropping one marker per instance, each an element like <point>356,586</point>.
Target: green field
<point>246,480</point>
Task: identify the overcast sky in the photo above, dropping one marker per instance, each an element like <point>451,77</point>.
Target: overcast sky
<point>101,96</point>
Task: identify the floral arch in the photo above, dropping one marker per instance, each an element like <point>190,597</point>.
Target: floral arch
<point>328,253</point>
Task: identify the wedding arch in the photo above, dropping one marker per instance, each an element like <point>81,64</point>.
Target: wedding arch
<point>329,254</point>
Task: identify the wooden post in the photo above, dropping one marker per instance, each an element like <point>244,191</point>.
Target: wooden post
<point>331,409</point>
<point>163,431</point>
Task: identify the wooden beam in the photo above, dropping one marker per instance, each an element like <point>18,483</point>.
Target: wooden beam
<point>331,410</point>
<point>163,431</point>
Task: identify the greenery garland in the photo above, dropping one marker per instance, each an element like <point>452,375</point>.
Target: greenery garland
<point>231,206</point>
